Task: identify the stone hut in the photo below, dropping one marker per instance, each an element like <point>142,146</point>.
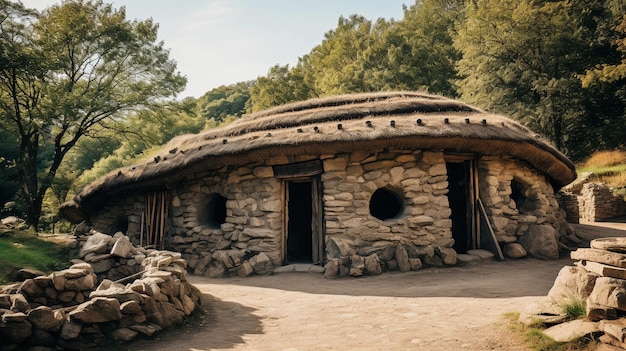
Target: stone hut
<point>388,176</point>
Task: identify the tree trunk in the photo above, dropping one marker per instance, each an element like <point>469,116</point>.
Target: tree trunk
<point>33,212</point>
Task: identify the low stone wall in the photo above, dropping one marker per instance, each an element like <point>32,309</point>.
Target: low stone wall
<point>79,308</point>
<point>569,203</point>
<point>598,279</point>
<point>598,203</point>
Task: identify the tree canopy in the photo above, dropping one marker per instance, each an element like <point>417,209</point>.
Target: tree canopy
<point>74,68</point>
<point>83,90</point>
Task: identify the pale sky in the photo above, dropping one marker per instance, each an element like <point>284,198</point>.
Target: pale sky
<point>222,42</point>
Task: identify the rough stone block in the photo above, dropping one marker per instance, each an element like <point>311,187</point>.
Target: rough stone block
<point>541,241</point>
<point>402,258</point>
<point>331,268</point>
<point>357,265</point>
<point>609,292</point>
<point>514,250</point>
<point>572,283</point>
<point>96,243</point>
<point>122,248</point>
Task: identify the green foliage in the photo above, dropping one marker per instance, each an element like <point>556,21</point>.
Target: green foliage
<point>535,338</point>
<point>68,71</point>
<point>575,309</point>
<point>524,59</point>
<point>22,249</point>
<point>224,101</point>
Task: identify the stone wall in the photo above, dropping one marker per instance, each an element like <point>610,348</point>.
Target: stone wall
<point>75,309</point>
<point>414,236</point>
<point>570,204</point>
<point>598,203</point>
<point>522,206</point>
<point>520,203</point>
<point>252,222</point>
<point>597,281</point>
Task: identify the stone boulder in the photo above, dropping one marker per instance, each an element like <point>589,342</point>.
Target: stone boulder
<point>261,264</point>
<point>45,318</point>
<point>540,241</point>
<point>514,250</point>
<point>96,243</point>
<point>97,310</point>
<point>572,283</point>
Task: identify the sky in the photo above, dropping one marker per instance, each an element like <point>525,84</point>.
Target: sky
<point>223,42</point>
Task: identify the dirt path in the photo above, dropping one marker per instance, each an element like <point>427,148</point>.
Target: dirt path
<point>433,309</point>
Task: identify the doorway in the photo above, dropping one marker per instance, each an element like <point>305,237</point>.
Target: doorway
<point>304,238</point>
<point>299,231</point>
<point>461,199</point>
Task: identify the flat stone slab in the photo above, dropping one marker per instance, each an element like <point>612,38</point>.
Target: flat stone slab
<point>571,330</point>
<point>614,244</point>
<point>299,267</point>
<point>483,254</point>
<point>603,269</point>
<point>463,259</point>
<point>600,256</point>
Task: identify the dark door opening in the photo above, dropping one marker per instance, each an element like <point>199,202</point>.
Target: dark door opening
<point>299,222</point>
<point>460,205</point>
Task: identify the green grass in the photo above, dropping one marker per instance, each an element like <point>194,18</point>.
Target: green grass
<point>535,338</point>
<point>23,249</point>
<point>607,166</point>
<point>575,309</point>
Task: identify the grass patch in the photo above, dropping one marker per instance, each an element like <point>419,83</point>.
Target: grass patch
<point>23,249</point>
<point>608,167</point>
<point>575,309</point>
<point>535,338</point>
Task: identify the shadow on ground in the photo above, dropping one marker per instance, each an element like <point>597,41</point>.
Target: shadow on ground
<point>221,325</point>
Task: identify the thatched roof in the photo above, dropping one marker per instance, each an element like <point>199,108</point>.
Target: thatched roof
<point>371,121</point>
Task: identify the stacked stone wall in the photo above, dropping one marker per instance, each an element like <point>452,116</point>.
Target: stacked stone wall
<point>420,233</point>
<point>252,225</point>
<point>570,204</point>
<point>598,203</point>
<point>535,220</point>
<point>78,309</point>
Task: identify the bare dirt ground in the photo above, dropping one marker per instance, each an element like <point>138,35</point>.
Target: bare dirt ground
<point>459,308</point>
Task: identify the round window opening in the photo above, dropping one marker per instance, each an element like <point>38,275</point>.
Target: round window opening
<point>386,204</point>
<point>213,213</point>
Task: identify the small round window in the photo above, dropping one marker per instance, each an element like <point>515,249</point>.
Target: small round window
<point>386,204</point>
<point>213,213</point>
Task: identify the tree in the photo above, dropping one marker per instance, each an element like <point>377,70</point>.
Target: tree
<point>280,86</point>
<point>224,101</point>
<point>522,58</point>
<point>77,66</point>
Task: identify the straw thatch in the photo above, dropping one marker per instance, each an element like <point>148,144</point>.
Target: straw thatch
<point>345,123</point>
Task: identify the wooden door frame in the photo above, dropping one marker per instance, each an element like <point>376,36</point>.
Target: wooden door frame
<point>318,227</point>
<point>472,195</point>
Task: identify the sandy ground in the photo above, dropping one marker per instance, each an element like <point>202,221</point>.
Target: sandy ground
<point>459,308</point>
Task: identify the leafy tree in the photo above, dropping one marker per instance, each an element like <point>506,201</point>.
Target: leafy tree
<point>78,66</point>
<point>224,101</point>
<point>280,86</point>
<point>359,55</point>
<point>152,128</point>
<point>522,58</point>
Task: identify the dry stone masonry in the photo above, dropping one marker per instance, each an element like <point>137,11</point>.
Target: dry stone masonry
<point>598,279</point>
<point>80,307</point>
<point>246,238</point>
<point>358,184</point>
<point>598,203</point>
